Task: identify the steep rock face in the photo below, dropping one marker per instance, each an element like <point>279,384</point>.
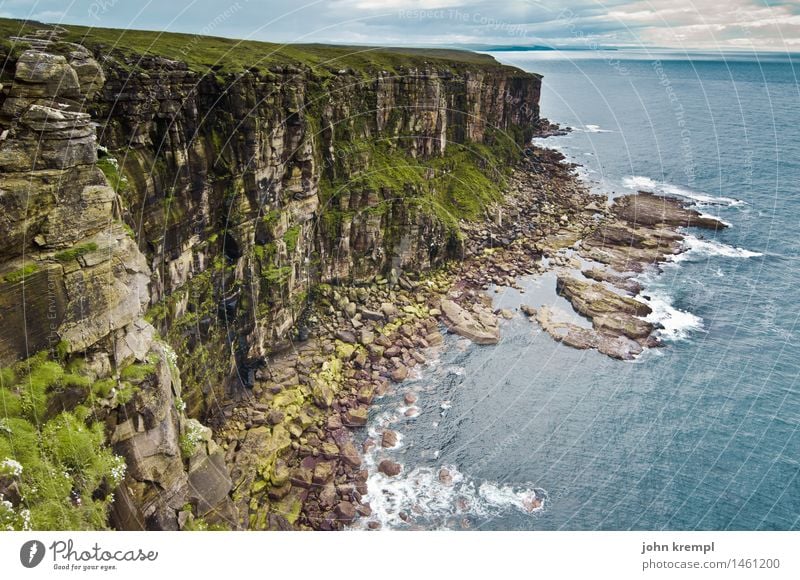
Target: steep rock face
<point>73,280</point>
<point>57,210</point>
<point>218,203</point>
<point>247,190</point>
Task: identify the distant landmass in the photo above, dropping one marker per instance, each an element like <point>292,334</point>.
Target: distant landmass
<point>502,48</point>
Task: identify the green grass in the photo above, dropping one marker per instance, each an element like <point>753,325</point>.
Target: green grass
<point>205,53</point>
<point>52,461</point>
<point>76,252</point>
<point>137,372</point>
<point>110,168</point>
<point>20,274</point>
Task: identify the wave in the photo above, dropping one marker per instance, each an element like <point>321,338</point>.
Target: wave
<point>595,129</point>
<point>700,248</point>
<point>444,498</point>
<point>716,217</point>
<point>641,182</point>
<point>675,324</point>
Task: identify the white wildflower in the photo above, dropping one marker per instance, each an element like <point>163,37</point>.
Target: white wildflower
<point>10,467</point>
<point>172,358</point>
<point>180,404</point>
<point>26,520</point>
<point>118,470</point>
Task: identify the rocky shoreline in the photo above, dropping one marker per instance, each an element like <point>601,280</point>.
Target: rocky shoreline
<point>290,441</point>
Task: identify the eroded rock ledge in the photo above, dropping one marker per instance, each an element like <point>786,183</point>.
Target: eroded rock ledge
<point>637,232</point>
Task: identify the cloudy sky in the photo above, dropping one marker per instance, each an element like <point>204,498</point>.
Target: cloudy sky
<point>686,24</point>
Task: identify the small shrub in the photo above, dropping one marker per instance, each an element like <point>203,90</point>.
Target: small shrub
<point>62,349</point>
<point>291,237</point>
<point>8,377</point>
<point>42,377</point>
<point>71,380</point>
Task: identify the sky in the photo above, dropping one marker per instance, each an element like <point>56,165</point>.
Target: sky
<point>681,24</point>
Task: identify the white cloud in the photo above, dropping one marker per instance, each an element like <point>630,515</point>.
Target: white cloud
<point>401,4</point>
<point>711,23</point>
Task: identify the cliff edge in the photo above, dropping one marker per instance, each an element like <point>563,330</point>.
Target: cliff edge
<point>173,211</point>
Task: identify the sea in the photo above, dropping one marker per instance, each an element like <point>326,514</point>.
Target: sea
<point>701,434</point>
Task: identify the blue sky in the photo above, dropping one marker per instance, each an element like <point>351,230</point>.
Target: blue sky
<point>686,24</point>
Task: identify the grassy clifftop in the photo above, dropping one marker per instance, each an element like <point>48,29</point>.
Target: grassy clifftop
<point>205,53</point>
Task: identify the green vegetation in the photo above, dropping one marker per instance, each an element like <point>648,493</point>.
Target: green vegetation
<point>102,389</point>
<point>21,273</point>
<point>191,438</point>
<point>9,28</point>
<point>198,524</point>
<point>137,372</point>
<point>62,349</point>
<point>128,230</point>
<point>59,465</point>
<point>205,53</point>
<point>271,217</point>
<point>458,185</point>
<point>76,252</point>
<point>110,168</point>
<point>125,393</point>
<point>276,275</point>
<point>290,238</point>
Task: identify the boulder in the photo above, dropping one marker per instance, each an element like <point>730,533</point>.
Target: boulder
<point>434,338</point>
<point>324,472</point>
<point>480,328</point>
<point>400,373</point>
<point>356,417</point>
<point>345,511</point>
<point>445,476</point>
<point>346,336</point>
<point>388,310</point>
<point>388,439</point>
<point>390,468</point>
<point>350,455</point>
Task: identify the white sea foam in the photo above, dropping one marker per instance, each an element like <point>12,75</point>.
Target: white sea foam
<point>640,182</point>
<point>698,248</point>
<point>677,324</point>
<point>596,129</point>
<point>425,500</point>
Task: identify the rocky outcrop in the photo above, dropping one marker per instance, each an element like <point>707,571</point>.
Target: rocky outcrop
<point>640,231</point>
<point>68,258</point>
<point>480,326</point>
<point>57,215</point>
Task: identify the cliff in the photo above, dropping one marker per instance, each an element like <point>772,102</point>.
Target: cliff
<point>172,209</point>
